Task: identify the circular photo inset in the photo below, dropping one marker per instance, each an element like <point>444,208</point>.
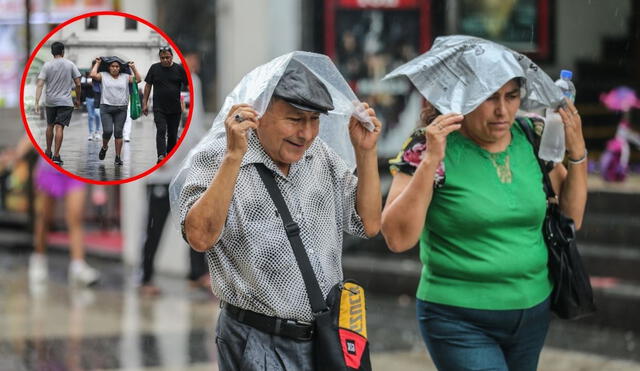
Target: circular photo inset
<point>103,97</point>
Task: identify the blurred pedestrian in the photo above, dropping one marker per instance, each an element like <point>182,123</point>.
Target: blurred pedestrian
<point>60,76</point>
<point>51,186</point>
<point>114,101</point>
<point>468,188</point>
<point>158,195</point>
<point>166,78</point>
<point>225,209</point>
<point>97,94</point>
<point>89,101</point>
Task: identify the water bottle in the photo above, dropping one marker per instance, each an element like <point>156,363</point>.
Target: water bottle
<point>552,146</point>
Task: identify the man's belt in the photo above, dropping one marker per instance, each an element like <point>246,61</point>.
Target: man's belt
<point>272,325</point>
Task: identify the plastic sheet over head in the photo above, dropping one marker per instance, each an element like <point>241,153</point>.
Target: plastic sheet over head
<point>256,89</point>
<point>460,72</point>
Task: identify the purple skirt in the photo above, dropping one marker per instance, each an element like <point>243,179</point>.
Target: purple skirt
<point>52,182</point>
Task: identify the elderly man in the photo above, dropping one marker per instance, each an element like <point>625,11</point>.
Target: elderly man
<point>60,75</point>
<point>166,78</point>
<point>226,211</point>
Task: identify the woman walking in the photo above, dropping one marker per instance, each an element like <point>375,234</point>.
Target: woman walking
<point>468,189</point>
<point>114,100</point>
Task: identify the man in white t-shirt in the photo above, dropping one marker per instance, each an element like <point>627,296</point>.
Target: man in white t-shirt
<point>60,76</point>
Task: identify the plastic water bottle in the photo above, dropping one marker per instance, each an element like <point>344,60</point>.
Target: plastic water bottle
<point>552,146</point>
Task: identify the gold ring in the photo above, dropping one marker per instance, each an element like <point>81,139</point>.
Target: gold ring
<point>574,112</point>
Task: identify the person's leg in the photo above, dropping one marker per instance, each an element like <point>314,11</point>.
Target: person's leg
<point>120,116</point>
<point>74,208</point>
<point>161,133</point>
<point>157,215</point>
<point>38,271</point>
<point>51,116</point>
<point>523,350</point>
<point>198,270</point>
<point>106,116</point>
<point>79,271</point>
<point>126,131</point>
<point>59,131</point>
<point>91,117</point>
<point>173,123</point>
<point>49,136</point>
<point>98,121</point>
<point>456,342</point>
<point>44,205</point>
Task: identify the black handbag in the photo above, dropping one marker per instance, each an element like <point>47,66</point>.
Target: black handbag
<point>339,336</point>
<point>572,295</point>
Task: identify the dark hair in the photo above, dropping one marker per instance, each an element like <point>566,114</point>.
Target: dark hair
<point>57,48</point>
<point>428,114</point>
<point>165,49</point>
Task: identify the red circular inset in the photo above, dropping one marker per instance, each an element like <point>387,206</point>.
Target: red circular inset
<point>24,79</point>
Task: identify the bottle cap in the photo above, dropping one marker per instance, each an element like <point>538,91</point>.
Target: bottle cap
<point>566,74</point>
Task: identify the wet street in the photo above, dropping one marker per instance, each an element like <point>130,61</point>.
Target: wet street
<point>110,327</point>
<point>80,155</point>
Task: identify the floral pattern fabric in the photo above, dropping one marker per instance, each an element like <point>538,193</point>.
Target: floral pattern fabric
<point>411,154</point>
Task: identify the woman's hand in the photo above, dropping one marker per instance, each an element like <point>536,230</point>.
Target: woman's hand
<point>436,134</point>
<point>574,140</point>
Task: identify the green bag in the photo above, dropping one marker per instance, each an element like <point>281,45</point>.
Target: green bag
<point>136,105</point>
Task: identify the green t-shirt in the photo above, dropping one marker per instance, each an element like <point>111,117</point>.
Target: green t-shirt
<point>482,245</point>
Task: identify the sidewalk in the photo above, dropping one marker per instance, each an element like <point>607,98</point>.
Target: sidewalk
<point>80,155</point>
<point>112,327</point>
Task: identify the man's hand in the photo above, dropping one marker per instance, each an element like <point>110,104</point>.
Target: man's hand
<point>37,108</point>
<point>240,119</point>
<point>361,138</point>
<point>145,110</point>
<point>76,103</point>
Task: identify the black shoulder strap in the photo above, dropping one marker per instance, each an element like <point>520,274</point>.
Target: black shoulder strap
<point>544,166</point>
<point>316,299</point>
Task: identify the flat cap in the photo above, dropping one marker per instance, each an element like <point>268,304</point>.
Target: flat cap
<point>302,89</point>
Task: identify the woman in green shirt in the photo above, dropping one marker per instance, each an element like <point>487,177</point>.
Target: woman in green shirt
<point>469,189</point>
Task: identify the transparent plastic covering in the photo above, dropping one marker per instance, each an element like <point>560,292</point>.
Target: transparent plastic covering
<point>256,89</point>
<point>460,72</point>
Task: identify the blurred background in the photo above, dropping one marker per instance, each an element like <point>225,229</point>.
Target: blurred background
<point>112,326</point>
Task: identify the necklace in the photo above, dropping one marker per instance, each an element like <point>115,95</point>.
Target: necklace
<point>503,170</point>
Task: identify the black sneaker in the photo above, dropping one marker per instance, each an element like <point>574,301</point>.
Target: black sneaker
<point>160,158</point>
<point>57,160</point>
<point>103,152</point>
<point>119,161</point>
<point>48,154</point>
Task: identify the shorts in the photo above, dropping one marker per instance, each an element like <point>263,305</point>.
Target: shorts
<point>60,115</point>
<point>54,183</point>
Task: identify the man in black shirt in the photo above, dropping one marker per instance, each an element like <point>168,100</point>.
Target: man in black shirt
<point>167,78</point>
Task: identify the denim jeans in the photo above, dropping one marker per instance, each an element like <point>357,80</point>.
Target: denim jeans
<point>92,117</point>
<point>474,339</point>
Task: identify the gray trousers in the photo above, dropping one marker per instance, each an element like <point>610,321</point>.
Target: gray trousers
<point>243,348</point>
<point>113,118</point>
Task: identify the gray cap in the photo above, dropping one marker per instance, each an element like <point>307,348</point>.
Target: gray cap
<point>302,89</point>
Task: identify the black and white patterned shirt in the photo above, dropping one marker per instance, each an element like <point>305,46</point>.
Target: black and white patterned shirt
<point>252,264</point>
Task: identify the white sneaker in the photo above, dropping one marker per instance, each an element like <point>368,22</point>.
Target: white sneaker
<point>38,271</point>
<point>90,137</point>
<point>82,274</point>
<point>97,136</point>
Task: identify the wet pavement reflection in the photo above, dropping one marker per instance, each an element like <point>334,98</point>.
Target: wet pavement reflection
<point>59,327</point>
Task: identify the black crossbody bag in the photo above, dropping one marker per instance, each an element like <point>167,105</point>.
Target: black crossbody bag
<point>572,295</point>
<point>340,335</point>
